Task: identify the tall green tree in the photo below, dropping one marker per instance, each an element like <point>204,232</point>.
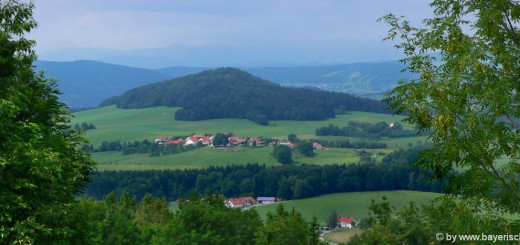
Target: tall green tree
<point>468,58</point>
<point>283,154</point>
<point>42,164</point>
<point>220,140</point>
<point>305,148</point>
<point>332,221</point>
<point>287,227</point>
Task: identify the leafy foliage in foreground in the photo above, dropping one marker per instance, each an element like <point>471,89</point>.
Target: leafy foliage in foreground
<point>435,223</point>
<point>232,93</point>
<point>42,166</point>
<point>199,220</point>
<point>469,100</point>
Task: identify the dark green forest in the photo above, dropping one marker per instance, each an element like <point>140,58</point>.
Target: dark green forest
<point>287,181</point>
<point>232,93</point>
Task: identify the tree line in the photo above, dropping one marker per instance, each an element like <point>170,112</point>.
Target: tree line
<point>367,130</point>
<point>232,93</point>
<point>85,126</point>
<point>346,143</point>
<point>287,181</point>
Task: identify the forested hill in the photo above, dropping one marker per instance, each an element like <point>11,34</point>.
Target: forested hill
<point>232,93</point>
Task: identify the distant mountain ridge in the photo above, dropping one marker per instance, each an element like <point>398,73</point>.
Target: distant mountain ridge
<point>87,83</point>
<point>233,93</point>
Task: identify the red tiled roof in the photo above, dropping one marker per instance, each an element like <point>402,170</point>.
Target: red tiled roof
<point>343,219</point>
<point>174,142</point>
<point>248,199</point>
<point>236,201</point>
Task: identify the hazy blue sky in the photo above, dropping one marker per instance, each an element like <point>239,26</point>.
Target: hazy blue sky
<point>219,32</point>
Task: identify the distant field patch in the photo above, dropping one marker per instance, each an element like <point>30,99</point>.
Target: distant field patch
<point>341,236</point>
<point>128,125</point>
<point>354,204</point>
<point>113,123</point>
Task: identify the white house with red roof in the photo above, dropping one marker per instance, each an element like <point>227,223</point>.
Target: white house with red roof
<point>346,222</point>
<point>191,140</point>
<point>206,140</point>
<point>234,140</point>
<point>160,140</point>
<point>317,146</point>
<point>234,203</point>
<point>248,201</point>
<point>174,142</point>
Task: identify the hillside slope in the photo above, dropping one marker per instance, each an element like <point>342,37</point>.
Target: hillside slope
<point>232,93</point>
<point>87,83</point>
<point>355,78</point>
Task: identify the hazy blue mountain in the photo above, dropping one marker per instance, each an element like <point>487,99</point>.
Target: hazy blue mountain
<point>366,78</point>
<point>356,78</point>
<point>87,83</point>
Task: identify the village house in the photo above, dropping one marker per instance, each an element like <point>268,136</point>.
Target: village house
<point>174,142</point>
<point>161,140</point>
<point>255,142</point>
<point>287,143</point>
<point>248,201</point>
<point>346,222</point>
<point>266,200</point>
<point>234,203</point>
<point>206,140</point>
<point>234,140</point>
<point>317,146</point>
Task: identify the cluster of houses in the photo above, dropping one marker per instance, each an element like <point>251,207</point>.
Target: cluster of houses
<point>247,202</point>
<point>207,140</point>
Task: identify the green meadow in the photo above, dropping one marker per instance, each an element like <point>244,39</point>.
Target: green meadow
<point>353,204</point>
<point>126,125</point>
<point>137,124</point>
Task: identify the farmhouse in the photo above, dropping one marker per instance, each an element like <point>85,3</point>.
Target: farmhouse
<point>161,140</point>
<point>248,201</point>
<point>346,222</point>
<point>191,140</point>
<point>174,142</point>
<point>234,203</point>
<point>266,200</point>
<point>317,146</point>
<point>234,140</point>
<point>287,143</point>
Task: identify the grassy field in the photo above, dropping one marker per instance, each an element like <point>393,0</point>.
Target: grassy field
<point>205,157</point>
<point>199,158</point>
<point>341,235</point>
<point>138,124</point>
<point>354,204</point>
